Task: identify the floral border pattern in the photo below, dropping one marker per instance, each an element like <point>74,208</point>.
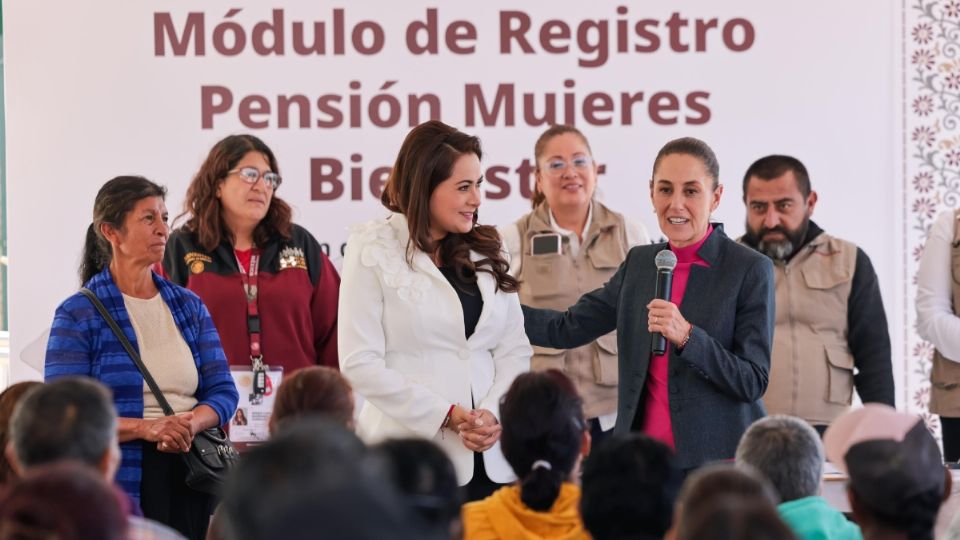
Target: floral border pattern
<point>931,49</point>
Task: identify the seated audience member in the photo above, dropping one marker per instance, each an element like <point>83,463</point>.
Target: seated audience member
<point>788,452</point>
<point>630,485</point>
<point>316,390</point>
<point>897,478</point>
<point>312,480</point>
<point>544,438</point>
<point>63,501</point>
<point>718,482</point>
<point>736,517</point>
<point>9,398</point>
<point>73,419</point>
<point>427,482</point>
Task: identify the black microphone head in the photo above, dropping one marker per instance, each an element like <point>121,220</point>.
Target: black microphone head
<point>666,260</point>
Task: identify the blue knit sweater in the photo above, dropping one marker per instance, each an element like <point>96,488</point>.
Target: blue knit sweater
<point>81,343</point>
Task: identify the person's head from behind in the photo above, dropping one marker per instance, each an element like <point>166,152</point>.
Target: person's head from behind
<point>566,175</point>
<point>234,193</point>
<point>9,399</point>
<point>685,189</point>
<point>630,485</point>
<point>316,390</point>
<point>69,419</point>
<point>435,183</point>
<point>544,434</point>
<point>897,478</point>
<point>776,191</point>
<point>712,483</point>
<point>787,451</point>
<point>426,480</point>
<point>312,476</point>
<point>736,517</point>
<point>63,501</point>
<point>129,222</point>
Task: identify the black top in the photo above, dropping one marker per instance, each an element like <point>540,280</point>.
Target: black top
<point>470,300</point>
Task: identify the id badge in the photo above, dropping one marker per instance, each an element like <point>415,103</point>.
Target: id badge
<point>250,425</point>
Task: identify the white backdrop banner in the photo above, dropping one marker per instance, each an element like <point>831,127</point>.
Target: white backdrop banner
<point>99,89</point>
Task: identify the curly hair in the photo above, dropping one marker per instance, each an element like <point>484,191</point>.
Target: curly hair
<point>203,209</point>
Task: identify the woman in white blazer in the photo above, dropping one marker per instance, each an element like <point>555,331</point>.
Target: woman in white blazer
<point>430,326</point>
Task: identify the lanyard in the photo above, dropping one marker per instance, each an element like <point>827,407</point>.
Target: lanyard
<point>251,293</point>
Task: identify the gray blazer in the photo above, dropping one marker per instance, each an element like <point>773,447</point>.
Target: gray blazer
<point>716,382</point>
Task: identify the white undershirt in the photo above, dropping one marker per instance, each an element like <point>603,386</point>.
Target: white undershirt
<point>166,355</point>
<point>936,321</point>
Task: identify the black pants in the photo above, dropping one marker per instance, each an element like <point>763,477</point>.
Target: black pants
<point>951,438</point>
<point>480,486</point>
<point>165,497</point>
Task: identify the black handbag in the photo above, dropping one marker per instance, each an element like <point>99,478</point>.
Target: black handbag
<point>211,454</point>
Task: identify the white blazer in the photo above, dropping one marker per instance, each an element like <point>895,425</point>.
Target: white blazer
<point>402,345</point>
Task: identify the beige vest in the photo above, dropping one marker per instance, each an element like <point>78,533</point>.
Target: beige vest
<point>557,281</point>
<point>945,375</point>
<point>811,371</point>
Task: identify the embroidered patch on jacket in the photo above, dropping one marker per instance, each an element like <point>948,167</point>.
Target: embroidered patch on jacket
<point>196,261</point>
<point>292,257</point>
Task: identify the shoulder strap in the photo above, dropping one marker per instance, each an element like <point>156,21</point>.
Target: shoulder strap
<point>167,409</point>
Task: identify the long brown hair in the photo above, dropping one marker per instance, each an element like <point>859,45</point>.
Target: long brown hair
<point>541,146</point>
<point>426,159</point>
<point>205,214</point>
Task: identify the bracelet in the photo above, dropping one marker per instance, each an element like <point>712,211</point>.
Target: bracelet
<point>446,420</point>
<point>686,338</point>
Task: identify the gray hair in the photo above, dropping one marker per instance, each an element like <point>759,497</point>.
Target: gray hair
<point>787,451</point>
<point>68,419</point>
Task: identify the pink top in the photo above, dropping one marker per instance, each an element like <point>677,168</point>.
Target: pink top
<point>656,419</point>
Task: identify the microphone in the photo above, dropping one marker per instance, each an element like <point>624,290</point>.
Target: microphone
<point>666,261</point>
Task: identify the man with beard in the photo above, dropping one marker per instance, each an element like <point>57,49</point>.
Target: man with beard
<point>831,330</point>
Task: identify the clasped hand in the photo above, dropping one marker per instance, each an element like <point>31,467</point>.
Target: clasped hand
<point>171,433</point>
<point>478,429</point>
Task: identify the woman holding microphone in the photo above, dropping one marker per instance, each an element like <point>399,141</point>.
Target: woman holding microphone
<point>431,332</point>
<point>703,390</point>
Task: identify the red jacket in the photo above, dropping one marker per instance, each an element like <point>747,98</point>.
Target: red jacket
<point>298,290</point>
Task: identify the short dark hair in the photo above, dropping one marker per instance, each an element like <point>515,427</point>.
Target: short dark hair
<point>713,482</point>
<point>114,201</point>
<point>67,501</point>
<point>542,418</point>
<point>787,451</point>
<point>775,166</point>
<point>691,147</point>
<point>9,399</point>
<point>315,390</point>
<point>739,517</point>
<point>72,418</point>
<point>312,475</point>
<point>426,479</point>
<point>630,485</point>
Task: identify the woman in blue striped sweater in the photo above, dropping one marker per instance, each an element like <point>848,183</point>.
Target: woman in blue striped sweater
<point>174,335</point>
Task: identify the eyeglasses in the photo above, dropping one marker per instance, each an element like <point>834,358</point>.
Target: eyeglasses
<point>250,175</point>
<point>555,167</point>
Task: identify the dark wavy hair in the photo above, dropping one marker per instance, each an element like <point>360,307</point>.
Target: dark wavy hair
<point>114,201</point>
<point>541,146</point>
<point>425,160</point>
<point>202,207</point>
<point>542,418</point>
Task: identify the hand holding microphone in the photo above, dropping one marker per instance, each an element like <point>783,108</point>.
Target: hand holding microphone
<point>665,323</point>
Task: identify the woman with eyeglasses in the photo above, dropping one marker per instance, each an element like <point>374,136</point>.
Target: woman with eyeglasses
<point>571,244</point>
<point>270,289</point>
